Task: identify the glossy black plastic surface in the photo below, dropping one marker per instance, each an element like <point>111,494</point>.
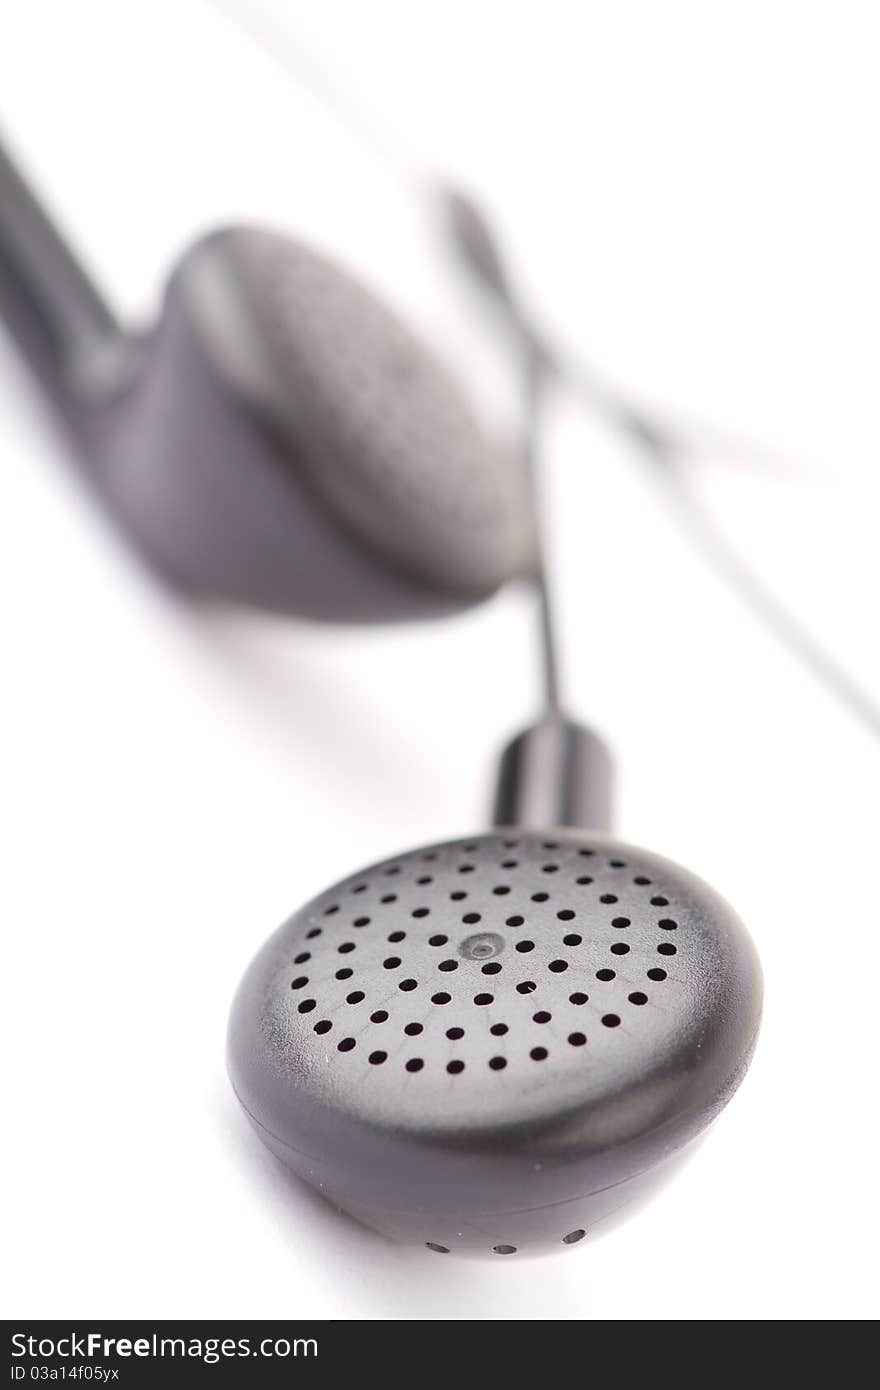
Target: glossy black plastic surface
<point>557,772</point>
<point>497,1041</point>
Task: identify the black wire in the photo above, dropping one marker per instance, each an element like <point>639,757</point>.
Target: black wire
<point>480,249</point>
<point>708,538</point>
<point>667,452</point>
<point>667,446</point>
<point>535,379</point>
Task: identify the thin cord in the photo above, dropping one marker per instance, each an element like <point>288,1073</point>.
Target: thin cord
<point>275,31</point>
<point>481,252</point>
<point>666,445</point>
<point>534,386</point>
<point>667,455</point>
<point>707,537</point>
<point>667,452</point>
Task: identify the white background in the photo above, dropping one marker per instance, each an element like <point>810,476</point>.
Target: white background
<point>689,192</point>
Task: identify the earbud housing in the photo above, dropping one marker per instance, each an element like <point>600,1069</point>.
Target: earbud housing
<point>279,438</point>
<point>290,443</point>
<point>492,1045</point>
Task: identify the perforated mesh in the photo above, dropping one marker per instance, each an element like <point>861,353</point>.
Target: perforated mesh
<point>487,961</point>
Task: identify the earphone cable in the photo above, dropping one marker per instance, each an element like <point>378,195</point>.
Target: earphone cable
<point>710,541</point>
<point>470,232</point>
<point>534,387</point>
<point>665,453</point>
<point>665,445</point>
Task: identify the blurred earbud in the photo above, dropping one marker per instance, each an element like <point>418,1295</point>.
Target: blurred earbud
<point>289,442</point>
<point>280,437</point>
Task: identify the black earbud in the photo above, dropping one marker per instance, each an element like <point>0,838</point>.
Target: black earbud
<point>280,437</point>
<point>498,1044</point>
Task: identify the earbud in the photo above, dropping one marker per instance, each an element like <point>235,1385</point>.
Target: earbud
<point>280,437</point>
<point>497,1044</point>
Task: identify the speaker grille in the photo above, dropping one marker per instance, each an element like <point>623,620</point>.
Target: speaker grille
<point>486,962</point>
